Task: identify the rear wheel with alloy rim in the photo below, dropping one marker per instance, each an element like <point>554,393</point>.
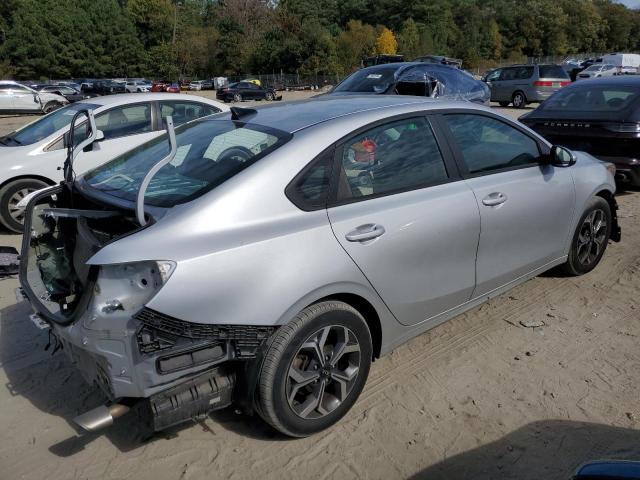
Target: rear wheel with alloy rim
<point>314,369</point>
<point>11,216</point>
<point>237,97</point>
<point>519,100</point>
<point>590,238</point>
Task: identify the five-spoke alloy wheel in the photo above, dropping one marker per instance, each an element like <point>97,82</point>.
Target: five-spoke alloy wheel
<point>590,238</point>
<point>314,369</point>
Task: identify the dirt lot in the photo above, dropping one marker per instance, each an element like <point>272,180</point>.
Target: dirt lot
<point>481,397</point>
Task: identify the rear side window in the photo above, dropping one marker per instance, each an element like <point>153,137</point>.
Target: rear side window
<point>524,73</point>
<point>398,156</point>
<point>126,120</point>
<point>309,190</point>
<point>552,71</point>
<point>488,144</point>
<point>183,112</point>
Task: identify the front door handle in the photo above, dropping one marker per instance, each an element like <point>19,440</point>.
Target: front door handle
<point>494,199</point>
<point>365,232</point>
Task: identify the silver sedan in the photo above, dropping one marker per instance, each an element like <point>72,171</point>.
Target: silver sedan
<point>266,257</point>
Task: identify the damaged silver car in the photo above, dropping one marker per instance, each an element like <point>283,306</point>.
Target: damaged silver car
<point>266,257</point>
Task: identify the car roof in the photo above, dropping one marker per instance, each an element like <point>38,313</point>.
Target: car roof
<point>123,98</point>
<point>627,80</point>
<point>295,116</point>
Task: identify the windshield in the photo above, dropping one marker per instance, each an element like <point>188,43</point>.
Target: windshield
<point>45,126</point>
<point>613,98</point>
<point>209,153</point>
<point>370,80</point>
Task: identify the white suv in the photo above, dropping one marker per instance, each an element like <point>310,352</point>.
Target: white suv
<point>17,98</point>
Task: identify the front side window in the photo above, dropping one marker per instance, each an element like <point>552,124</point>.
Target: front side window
<point>209,153</point>
<point>488,144</point>
<point>493,76</point>
<point>126,120</point>
<point>402,155</point>
<point>183,112</point>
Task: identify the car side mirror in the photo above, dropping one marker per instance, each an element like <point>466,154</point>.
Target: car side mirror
<point>561,156</point>
<point>94,145</point>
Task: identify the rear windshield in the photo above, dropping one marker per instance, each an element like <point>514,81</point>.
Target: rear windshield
<point>552,71</point>
<point>369,80</point>
<point>208,153</point>
<point>45,126</point>
<point>592,98</point>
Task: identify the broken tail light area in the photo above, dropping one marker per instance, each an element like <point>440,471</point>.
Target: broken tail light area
<point>181,344</point>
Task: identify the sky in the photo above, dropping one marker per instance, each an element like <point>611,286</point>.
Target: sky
<point>631,3</point>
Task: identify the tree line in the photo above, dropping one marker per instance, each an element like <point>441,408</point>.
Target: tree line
<point>205,38</point>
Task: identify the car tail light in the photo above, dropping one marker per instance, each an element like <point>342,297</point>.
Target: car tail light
<point>543,83</point>
<point>625,127</point>
<point>564,84</point>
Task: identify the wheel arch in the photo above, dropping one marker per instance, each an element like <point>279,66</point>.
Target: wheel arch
<point>368,312</point>
<point>46,180</point>
<point>615,227</point>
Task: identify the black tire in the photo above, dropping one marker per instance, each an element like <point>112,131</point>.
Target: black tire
<point>51,106</point>
<point>588,243</point>
<point>504,104</point>
<point>269,97</point>
<point>286,347</point>
<point>10,194</point>
<point>519,99</point>
<point>237,97</point>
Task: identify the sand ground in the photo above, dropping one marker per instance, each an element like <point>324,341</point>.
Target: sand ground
<point>481,397</point>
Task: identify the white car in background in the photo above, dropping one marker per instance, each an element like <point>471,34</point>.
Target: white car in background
<point>32,157</point>
<point>16,99</point>
<point>137,87</point>
<point>598,70</point>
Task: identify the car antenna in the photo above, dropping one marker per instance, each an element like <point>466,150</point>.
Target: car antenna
<point>171,133</point>
<point>238,112</point>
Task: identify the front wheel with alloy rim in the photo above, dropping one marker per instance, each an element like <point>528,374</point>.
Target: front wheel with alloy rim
<point>11,216</point>
<point>590,238</point>
<point>314,369</point>
<point>269,96</point>
<point>519,100</point>
<point>51,106</point>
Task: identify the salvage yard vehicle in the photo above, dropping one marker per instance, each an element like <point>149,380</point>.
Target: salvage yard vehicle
<point>522,84</point>
<point>32,157</point>
<point>414,78</point>
<point>598,70</point>
<point>19,99</point>
<point>238,259</point>
<point>245,90</point>
<point>601,117</point>
<point>71,94</point>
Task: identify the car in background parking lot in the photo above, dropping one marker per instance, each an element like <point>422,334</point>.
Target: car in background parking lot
<point>522,84</point>
<point>137,86</point>
<point>245,90</point>
<point>599,116</point>
<point>414,78</point>
<point>201,85</point>
<point>16,99</point>
<point>32,156</point>
<point>598,70</point>
<point>69,93</point>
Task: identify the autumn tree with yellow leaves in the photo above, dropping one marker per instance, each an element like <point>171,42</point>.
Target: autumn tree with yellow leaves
<point>386,43</point>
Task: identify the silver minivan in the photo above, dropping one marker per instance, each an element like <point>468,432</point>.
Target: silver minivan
<point>523,84</point>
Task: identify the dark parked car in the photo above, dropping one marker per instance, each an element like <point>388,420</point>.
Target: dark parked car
<point>109,87</point>
<point>240,91</point>
<point>69,93</point>
<point>415,78</point>
<point>600,116</point>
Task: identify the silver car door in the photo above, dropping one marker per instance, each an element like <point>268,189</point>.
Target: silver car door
<point>403,215</point>
<point>525,204</point>
<point>25,99</point>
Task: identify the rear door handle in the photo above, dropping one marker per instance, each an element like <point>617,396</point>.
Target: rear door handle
<point>494,199</point>
<point>365,232</point>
